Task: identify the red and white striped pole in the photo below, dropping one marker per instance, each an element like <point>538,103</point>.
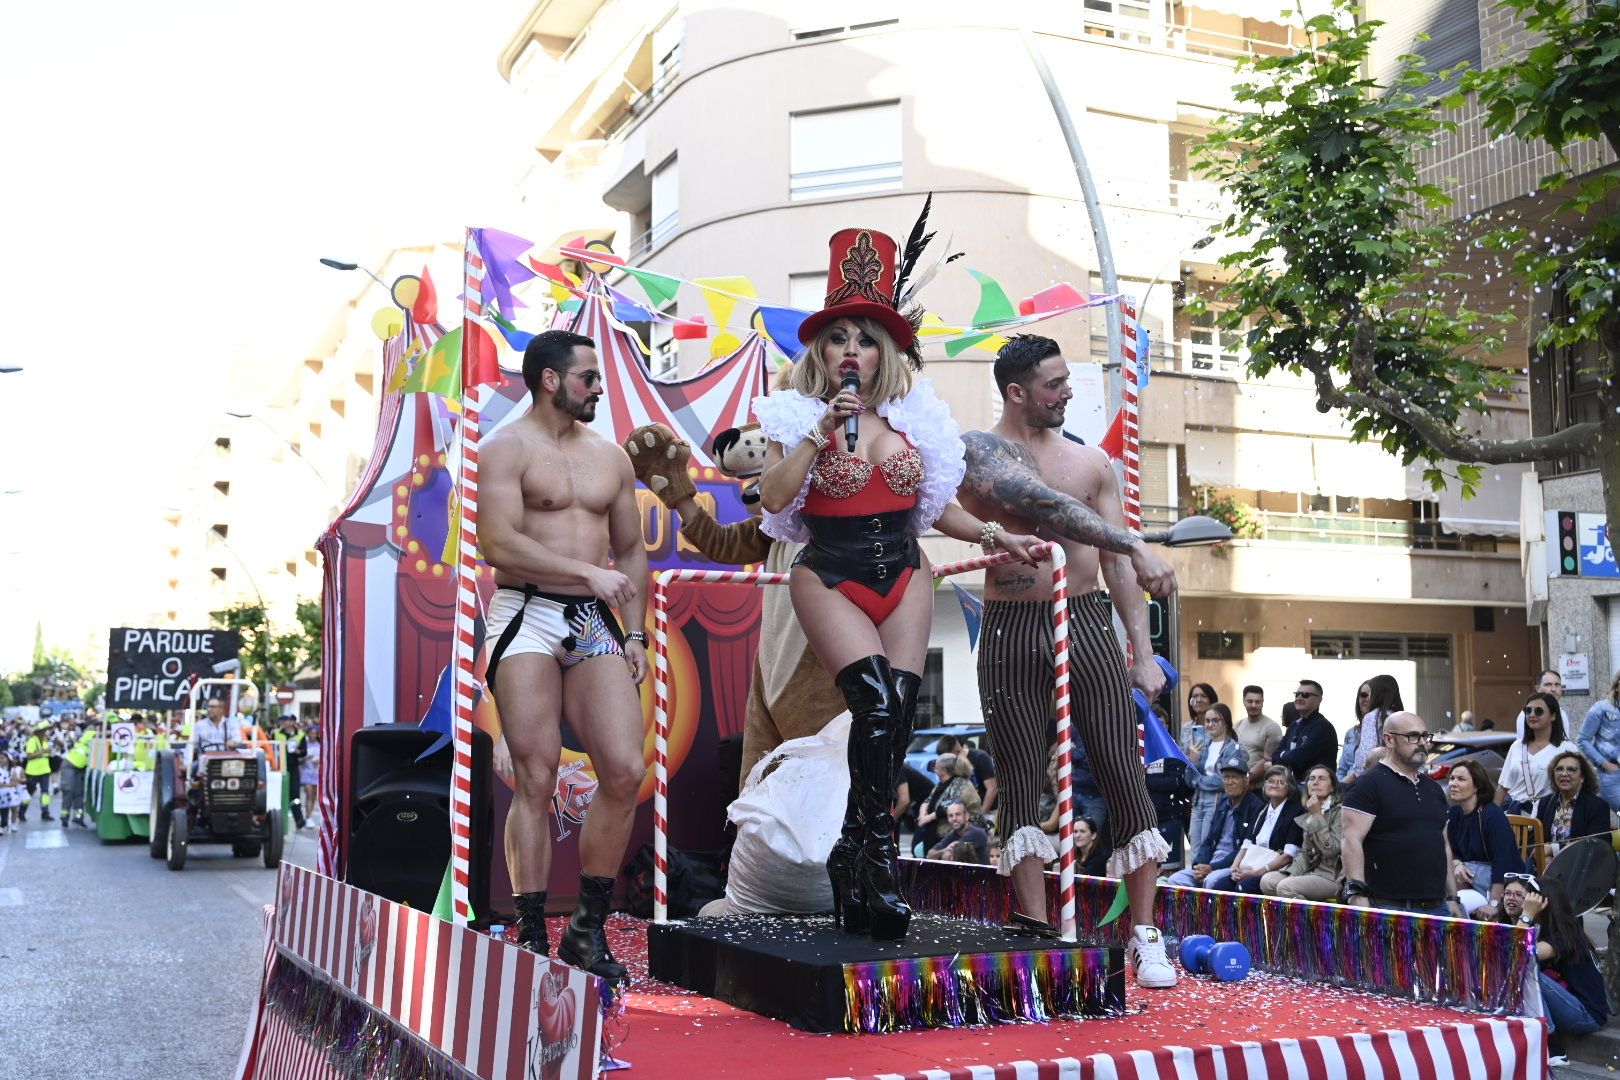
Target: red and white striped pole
<point>465,646</point>
<point>661,711</point>
<point>1129,370</point>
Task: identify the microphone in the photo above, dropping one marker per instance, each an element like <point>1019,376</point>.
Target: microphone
<point>849,378</point>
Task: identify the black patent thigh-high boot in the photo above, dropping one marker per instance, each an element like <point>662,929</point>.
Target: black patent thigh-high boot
<point>907,685</point>
<point>868,685</point>
<point>849,910</point>
<point>584,944</point>
<point>531,922</point>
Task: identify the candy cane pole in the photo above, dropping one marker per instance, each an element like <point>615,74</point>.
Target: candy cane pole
<point>465,647</point>
<point>1133,450</point>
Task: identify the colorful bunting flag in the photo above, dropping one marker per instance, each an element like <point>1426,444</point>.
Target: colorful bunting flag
<point>972,614</point>
<point>503,267</point>
<point>659,288</point>
<point>439,372</point>
<point>426,309</point>
<point>480,362</point>
<point>994,307</point>
<point>437,718</point>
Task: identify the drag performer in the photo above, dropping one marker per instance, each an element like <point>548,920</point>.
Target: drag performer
<point>1025,471</point>
<point>861,587</point>
<point>558,503</point>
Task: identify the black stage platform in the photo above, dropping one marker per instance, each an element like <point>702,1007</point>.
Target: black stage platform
<point>949,972</point>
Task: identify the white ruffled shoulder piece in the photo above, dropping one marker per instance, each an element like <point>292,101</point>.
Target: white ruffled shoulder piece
<point>926,420</point>
<point>786,417</point>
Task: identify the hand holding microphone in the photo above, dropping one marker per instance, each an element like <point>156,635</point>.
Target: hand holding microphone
<point>849,378</point>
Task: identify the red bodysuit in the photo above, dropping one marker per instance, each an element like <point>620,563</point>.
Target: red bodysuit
<point>844,486</point>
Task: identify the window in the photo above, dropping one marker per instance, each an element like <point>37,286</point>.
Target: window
<point>845,151</point>
<point>1358,646</point>
<point>1338,505</point>
<point>1123,20</point>
<point>1578,394</point>
<point>1211,350</point>
<point>665,349</point>
<point>666,47</point>
<point>843,18</point>
<point>807,292</point>
<point>1219,645</point>
<point>665,217</point>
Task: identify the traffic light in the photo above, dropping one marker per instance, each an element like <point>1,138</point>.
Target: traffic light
<point>1567,551</point>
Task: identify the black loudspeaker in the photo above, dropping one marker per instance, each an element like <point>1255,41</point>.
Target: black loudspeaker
<point>399,815</point>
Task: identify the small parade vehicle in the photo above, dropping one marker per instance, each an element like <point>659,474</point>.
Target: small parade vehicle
<point>222,800</point>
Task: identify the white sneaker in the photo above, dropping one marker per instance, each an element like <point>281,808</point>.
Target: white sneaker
<point>1146,954</point>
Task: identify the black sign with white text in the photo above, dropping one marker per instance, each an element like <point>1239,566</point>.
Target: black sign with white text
<point>154,669</point>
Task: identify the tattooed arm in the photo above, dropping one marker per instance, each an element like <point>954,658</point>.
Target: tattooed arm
<point>1004,475</point>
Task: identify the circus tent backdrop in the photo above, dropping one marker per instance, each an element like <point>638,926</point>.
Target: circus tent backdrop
<point>389,591</point>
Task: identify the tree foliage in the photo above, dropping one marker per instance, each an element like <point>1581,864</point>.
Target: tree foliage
<point>269,656</point>
<point>1343,268</point>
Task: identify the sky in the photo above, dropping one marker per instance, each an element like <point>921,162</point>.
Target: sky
<point>174,170</point>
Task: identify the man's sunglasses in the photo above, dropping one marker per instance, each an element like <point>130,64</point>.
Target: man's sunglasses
<point>1305,694</point>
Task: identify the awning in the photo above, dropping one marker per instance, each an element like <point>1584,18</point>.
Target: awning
<point>1261,461</point>
<point>1494,511</point>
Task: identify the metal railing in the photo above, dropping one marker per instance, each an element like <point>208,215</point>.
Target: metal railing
<point>1144,31</point>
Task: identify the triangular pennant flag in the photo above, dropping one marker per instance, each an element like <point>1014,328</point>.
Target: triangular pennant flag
<point>780,326</point>
<point>444,906</point>
<point>517,339</point>
<point>956,348</point>
<point>1113,443</point>
<point>1144,350</point>
<point>426,309</point>
<point>659,289</point>
<point>1156,741</point>
<point>452,539</point>
<point>1122,900</point>
<point>438,718</point>
<point>503,267</point>
<point>994,307</point>
<point>439,372</point>
<point>721,295</point>
<point>480,363</point>
<point>972,614</point>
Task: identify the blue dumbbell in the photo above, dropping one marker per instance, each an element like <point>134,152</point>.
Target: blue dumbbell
<point>1195,950</point>
<point>1229,961</point>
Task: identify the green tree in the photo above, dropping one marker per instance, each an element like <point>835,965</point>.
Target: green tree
<point>1340,266</point>
<point>5,695</point>
<point>269,656</point>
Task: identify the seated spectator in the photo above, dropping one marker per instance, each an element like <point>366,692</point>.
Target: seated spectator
<point>1220,749</point>
<point>1524,766</point>
<point>1090,853</point>
<point>1572,989</point>
<point>995,851</point>
<point>1600,742</point>
<point>910,792</point>
<point>1276,831</point>
<point>953,786</point>
<point>1574,808</point>
<point>1483,850</point>
<point>962,829</point>
<point>1314,873</point>
<point>961,852</point>
<point>981,766</point>
<point>1234,817</point>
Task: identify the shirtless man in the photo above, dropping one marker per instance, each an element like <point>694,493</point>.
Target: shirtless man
<point>1027,475</point>
<point>558,503</point>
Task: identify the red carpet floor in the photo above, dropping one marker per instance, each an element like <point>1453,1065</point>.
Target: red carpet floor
<point>669,1032</point>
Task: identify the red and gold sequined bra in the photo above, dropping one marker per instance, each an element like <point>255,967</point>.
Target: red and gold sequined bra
<point>839,476</point>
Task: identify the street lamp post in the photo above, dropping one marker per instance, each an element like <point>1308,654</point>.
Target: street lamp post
<point>1197,245</point>
<point>339,264</point>
<point>285,441</point>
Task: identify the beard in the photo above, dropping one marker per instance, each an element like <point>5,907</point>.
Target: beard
<point>581,409</point>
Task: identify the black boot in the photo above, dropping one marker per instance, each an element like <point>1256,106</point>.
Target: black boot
<point>531,922</point>
<point>584,944</point>
<point>907,685</point>
<point>849,908</point>
<point>868,687</point>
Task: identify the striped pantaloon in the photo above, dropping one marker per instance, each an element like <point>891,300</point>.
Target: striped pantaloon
<point>1016,696</point>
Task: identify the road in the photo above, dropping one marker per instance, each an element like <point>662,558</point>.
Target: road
<point>112,964</point>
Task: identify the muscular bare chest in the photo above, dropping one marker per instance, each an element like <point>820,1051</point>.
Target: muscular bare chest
<point>557,480</point>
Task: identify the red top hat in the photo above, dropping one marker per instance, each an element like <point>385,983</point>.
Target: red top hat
<point>861,285</point>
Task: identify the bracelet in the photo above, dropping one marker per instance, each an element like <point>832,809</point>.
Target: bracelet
<point>987,536</point>
<point>637,636</point>
<point>817,436</point>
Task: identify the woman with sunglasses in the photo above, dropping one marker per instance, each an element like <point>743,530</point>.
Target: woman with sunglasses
<point>1378,697</point>
<point>1483,850</point>
<point>1572,989</point>
<point>1574,808</point>
<point>1600,742</point>
<point>1524,769</point>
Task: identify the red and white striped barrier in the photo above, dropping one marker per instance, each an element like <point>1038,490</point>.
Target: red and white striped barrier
<point>491,1008</point>
<point>661,710</point>
<point>1512,1048</point>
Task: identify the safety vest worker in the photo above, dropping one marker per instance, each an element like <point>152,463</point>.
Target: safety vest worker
<point>79,755</point>
<point>37,772</point>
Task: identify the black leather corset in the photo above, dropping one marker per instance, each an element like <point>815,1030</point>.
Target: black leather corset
<point>872,549</point>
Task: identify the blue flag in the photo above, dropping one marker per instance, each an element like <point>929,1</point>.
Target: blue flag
<point>440,716</point>
<point>1156,741</point>
<point>972,614</point>
<point>1144,351</point>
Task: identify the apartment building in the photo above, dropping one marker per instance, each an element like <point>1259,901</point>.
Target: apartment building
<point>702,139</point>
<point>1574,607</point>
